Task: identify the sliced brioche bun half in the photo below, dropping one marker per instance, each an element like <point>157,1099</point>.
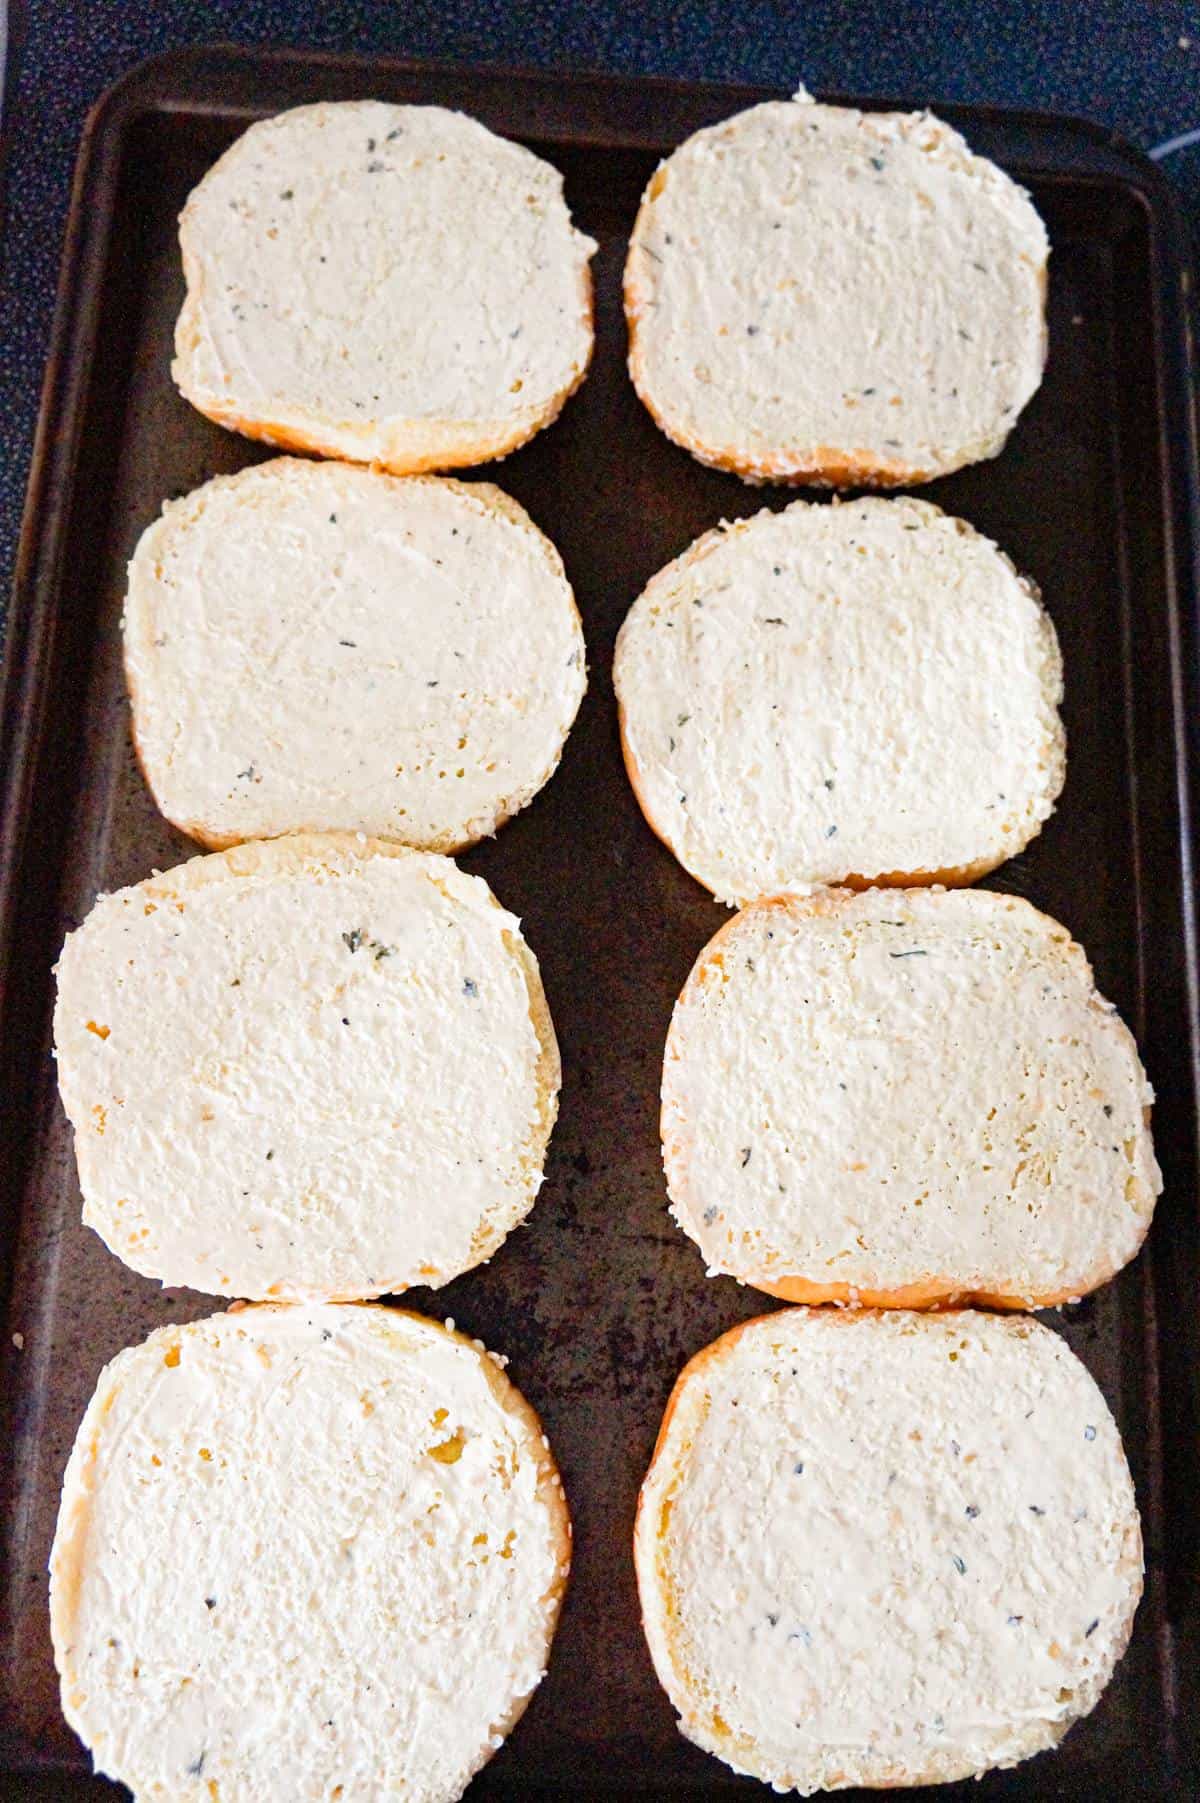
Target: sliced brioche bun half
<point>864,692</point>
<point>305,1553</point>
<point>390,284</point>
<point>312,1068</point>
<point>885,1549</point>
<point>904,1098</point>
<point>816,294</point>
<point>314,647</point>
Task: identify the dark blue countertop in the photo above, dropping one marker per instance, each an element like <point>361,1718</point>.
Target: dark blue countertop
<point>1134,65</point>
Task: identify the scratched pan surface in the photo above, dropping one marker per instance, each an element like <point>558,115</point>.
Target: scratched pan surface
<point>600,1300</point>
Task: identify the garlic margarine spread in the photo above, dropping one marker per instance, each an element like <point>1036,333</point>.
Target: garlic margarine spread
<point>314,646</point>
<point>394,284</point>
<point>866,689</point>
<point>315,1067</point>
<point>819,294</point>
<point>304,1553</point>
<point>886,1549</point>
<point>905,1096</point>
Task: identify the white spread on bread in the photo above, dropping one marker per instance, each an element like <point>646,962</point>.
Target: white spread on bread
<point>866,689</point>
<point>822,294</point>
<point>394,284</point>
<point>304,1553</point>
<point>309,1068</point>
<point>886,1549</point>
<point>313,646</point>
<point>906,1089</point>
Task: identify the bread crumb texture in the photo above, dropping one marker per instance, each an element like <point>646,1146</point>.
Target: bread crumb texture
<point>391,284</point>
<point>886,1549</point>
<point>910,1095</point>
<point>315,646</point>
<point>821,295</point>
<point>268,1581</point>
<point>329,1070</point>
<point>865,691</point>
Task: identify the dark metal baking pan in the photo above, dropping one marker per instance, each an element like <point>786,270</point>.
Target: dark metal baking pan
<point>600,1300</point>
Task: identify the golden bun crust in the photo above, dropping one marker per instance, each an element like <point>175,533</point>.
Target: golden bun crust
<point>414,448</point>
<point>661,1613</point>
<point>636,668</point>
<point>311,146</point>
<point>73,1548</point>
<point>309,854</point>
<point>957,877</point>
<point>274,483</point>
<point>838,465</point>
<point>935,1290</point>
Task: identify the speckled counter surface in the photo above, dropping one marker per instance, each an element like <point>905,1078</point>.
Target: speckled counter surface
<point>1132,64</point>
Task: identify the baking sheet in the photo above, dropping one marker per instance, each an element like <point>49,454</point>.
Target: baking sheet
<point>600,1299</point>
